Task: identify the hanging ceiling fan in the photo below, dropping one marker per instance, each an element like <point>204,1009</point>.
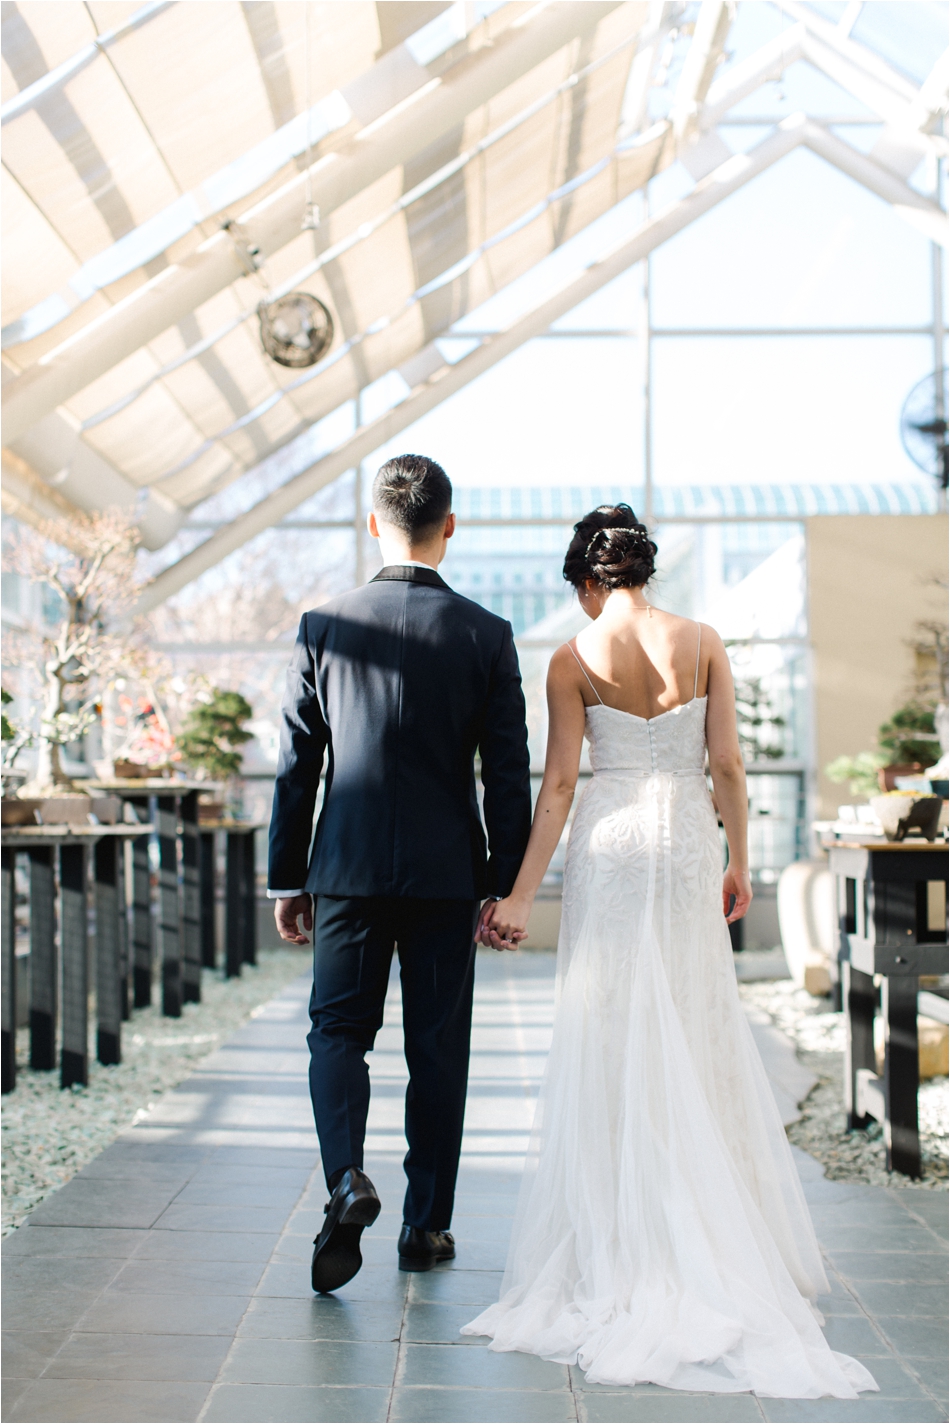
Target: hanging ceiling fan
<point>924,426</point>
<point>296,330</point>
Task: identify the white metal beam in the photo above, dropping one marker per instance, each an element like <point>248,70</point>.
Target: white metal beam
<point>273,223</point>
<point>699,66</point>
<point>739,170</point>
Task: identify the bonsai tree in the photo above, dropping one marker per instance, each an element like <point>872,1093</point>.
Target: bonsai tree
<point>213,732</point>
<point>910,736</point>
<point>90,570</point>
<point>860,772</point>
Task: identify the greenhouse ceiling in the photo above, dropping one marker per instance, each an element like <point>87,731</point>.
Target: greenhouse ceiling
<point>169,167</point>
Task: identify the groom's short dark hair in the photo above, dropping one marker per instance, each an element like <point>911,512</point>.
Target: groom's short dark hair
<point>413,493</point>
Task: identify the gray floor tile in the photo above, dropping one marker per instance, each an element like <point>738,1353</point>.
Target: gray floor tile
<point>892,1266</point>
<point>933,1207</point>
<point>26,1310</point>
<point>303,1159</point>
<point>906,1236</point>
<point>853,1335</point>
<point>120,1312</point>
<point>221,1218</point>
<point>932,1374</point>
<point>919,1336</point>
<point>238,1175</point>
<point>462,1367</point>
<point>71,1241</point>
<point>844,1304</point>
<point>339,1362</point>
<point>255,1246</point>
<point>292,1279</point>
<point>239,1194</point>
<point>188,1277</point>
<point>902,1298</point>
<point>469,1229</point>
<point>869,1409</point>
<point>168,1175</point>
<point>102,1203</point>
<point>97,1401</point>
<point>26,1355</point>
<point>482,1406</point>
<point>11,1391</point>
<point>139,1357</point>
<point>291,1247</point>
<point>894,1376</point>
<point>47,1275</point>
<point>321,1318</point>
<point>431,1324</point>
<point>457,1287</point>
<point>633,1407</point>
<point>296,1404</point>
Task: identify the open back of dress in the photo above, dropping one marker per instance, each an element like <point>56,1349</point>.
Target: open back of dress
<point>662,1234</point>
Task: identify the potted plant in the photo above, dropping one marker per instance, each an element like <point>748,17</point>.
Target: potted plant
<point>211,738</point>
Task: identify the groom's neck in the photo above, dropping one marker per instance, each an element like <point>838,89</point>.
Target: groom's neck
<point>399,551</point>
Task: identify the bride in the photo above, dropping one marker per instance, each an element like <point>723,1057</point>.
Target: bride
<point>661,1234</point>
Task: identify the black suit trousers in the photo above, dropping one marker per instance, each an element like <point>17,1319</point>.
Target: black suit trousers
<point>353,944</point>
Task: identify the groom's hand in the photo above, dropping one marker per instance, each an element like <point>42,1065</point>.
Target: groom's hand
<point>488,935</point>
<point>287,912</point>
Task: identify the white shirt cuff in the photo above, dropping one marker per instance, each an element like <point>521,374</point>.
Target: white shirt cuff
<point>284,894</point>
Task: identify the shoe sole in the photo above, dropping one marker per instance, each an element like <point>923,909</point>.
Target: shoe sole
<point>425,1263</point>
<point>339,1259</point>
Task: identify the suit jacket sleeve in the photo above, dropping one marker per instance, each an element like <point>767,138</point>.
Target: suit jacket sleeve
<point>304,735</point>
<point>506,770</point>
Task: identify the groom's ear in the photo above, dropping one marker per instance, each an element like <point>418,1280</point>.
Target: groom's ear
<point>371,524</point>
<point>449,529</point>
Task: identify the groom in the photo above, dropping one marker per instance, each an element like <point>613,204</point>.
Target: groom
<point>400,685</point>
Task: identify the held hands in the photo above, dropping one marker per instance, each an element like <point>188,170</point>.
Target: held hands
<point>286,913</point>
<point>737,883</point>
<point>502,923</point>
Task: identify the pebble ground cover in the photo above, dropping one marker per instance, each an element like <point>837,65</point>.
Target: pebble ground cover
<point>818,1035</point>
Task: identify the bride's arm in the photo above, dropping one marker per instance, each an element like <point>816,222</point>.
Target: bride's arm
<point>728,776</point>
<point>562,759</point>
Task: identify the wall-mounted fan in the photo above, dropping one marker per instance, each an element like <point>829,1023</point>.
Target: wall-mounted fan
<point>924,426</point>
<point>296,330</point>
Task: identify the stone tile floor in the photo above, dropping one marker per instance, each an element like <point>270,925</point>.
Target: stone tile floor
<point>169,1280</point>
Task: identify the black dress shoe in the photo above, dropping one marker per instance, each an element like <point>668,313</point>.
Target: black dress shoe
<point>336,1256</point>
<point>421,1250</point>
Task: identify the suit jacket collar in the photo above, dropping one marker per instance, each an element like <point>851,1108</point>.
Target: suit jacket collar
<point>409,573</point>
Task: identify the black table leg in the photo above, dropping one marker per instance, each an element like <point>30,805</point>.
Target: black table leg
<point>125,967</point>
<point>901,1073</point>
<point>43,959</point>
<point>234,909</point>
<point>191,900</point>
<point>108,951</point>
<point>74,1064</point>
<point>250,899</point>
<point>209,938</point>
<point>8,986</point>
<point>169,905</point>
<point>858,998</point>
<point>141,915</point>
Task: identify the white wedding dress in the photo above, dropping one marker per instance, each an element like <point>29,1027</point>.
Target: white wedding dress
<point>661,1234</point>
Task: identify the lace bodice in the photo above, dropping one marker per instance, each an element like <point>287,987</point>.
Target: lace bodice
<point>674,742</point>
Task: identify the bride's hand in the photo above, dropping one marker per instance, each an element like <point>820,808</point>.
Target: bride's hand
<point>505,926</point>
<point>739,884</point>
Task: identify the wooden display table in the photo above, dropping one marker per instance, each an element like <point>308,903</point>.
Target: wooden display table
<point>240,899</point>
<point>170,804</point>
<point>69,845</point>
<point>892,915</point>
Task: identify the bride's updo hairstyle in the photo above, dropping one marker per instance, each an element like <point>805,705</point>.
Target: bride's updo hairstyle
<point>610,546</point>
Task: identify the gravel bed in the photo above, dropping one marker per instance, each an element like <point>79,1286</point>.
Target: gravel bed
<point>818,1035</point>
<point>49,1133</point>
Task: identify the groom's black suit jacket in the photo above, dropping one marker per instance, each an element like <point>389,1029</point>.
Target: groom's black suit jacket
<point>400,684</point>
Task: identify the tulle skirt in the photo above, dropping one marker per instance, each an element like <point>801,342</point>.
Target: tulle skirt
<point>661,1233</point>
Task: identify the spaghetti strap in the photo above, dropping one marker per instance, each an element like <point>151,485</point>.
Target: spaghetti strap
<point>586,674</point>
<point>699,642</point>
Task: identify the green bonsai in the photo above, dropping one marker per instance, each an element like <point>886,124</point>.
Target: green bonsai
<point>213,732</point>
<point>859,771</point>
<point>901,737</point>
